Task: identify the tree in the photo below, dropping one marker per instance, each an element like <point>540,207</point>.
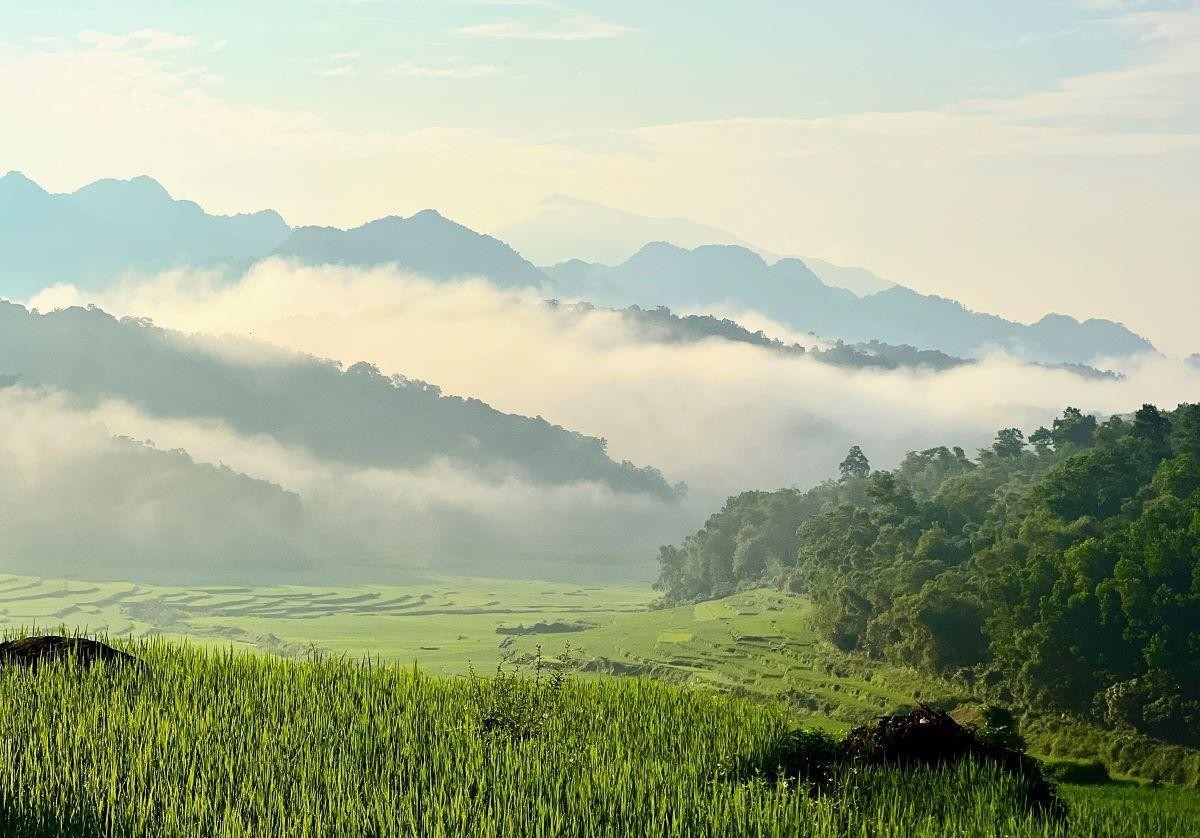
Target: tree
<point>1073,428</point>
<point>1042,440</point>
<point>856,465</point>
<point>1187,429</point>
<point>1010,442</point>
<point>1152,425</point>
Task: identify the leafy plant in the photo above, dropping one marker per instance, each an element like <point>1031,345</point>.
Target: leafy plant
<point>518,705</point>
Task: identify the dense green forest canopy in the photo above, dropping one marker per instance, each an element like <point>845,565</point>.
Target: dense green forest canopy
<point>1060,570</point>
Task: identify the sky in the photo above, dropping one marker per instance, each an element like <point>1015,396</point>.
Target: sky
<point>1022,157</point>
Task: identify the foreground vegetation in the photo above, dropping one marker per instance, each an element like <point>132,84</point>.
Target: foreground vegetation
<point>757,643</point>
<point>214,743</point>
<point>760,644</point>
<point>1063,576</point>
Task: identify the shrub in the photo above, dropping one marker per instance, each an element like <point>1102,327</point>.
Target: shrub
<point>805,754</point>
<point>1079,772</point>
<point>515,705</point>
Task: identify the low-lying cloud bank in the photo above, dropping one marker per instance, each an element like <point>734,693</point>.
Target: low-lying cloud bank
<point>108,491</point>
<point>720,416</point>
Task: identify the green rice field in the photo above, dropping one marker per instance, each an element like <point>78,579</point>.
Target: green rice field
<point>232,743</point>
<point>758,643</point>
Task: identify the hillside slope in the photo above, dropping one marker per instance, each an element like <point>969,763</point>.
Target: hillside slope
<point>355,415</point>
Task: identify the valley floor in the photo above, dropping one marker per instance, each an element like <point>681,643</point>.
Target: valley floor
<point>757,643</point>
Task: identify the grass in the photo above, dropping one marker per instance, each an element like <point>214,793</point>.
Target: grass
<point>223,743</point>
<point>757,644</point>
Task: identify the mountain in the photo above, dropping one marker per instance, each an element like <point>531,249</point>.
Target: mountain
<point>426,243</point>
<point>859,280</point>
<point>355,416</point>
<point>660,325</point>
<point>92,236</point>
<point>788,291</point>
<point>562,228</point>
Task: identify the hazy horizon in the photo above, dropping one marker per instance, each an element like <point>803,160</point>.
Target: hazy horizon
<point>1020,161</point>
<point>1021,158</point>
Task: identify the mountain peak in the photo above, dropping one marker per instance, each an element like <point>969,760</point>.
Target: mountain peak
<point>114,226</point>
<point>142,187</point>
<point>429,215</point>
<point>656,248</point>
<point>16,183</point>
<point>426,243</point>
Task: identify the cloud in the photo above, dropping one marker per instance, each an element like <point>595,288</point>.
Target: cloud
<point>140,40</point>
<point>576,26</point>
<point>1153,94</point>
<point>722,417</point>
<point>110,491</point>
<point>75,499</point>
<point>474,71</point>
<point>342,70</point>
<point>1075,198</point>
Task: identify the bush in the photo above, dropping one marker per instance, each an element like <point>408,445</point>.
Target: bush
<point>517,706</point>
<point>994,724</point>
<point>1079,772</point>
<point>805,754</point>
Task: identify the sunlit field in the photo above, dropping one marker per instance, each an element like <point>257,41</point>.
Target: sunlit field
<point>199,742</point>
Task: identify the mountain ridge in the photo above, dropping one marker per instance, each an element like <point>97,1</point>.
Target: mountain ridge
<point>791,293</point>
<point>354,415</point>
<point>562,227</point>
<point>426,242</point>
<point>91,237</point>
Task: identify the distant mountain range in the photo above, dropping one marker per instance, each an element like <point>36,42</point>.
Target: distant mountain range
<point>562,228</point>
<point>92,237</point>
<point>355,416</point>
<point>427,244</point>
<point>661,325</point>
<point>789,292</point>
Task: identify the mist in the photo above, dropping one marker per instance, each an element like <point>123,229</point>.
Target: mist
<point>108,491</point>
<point>720,416</point>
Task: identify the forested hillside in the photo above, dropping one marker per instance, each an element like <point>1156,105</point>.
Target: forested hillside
<point>354,415</point>
<point>1060,571</point>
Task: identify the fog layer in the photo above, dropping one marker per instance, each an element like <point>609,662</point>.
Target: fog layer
<point>720,416</point>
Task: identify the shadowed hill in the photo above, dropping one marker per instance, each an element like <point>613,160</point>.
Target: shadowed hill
<point>356,415</point>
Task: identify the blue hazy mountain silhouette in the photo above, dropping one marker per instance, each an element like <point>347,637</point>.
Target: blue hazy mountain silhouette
<point>92,236</point>
<point>426,243</point>
<point>787,291</point>
<point>563,228</point>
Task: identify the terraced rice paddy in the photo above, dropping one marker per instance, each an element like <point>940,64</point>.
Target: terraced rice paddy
<point>758,643</point>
